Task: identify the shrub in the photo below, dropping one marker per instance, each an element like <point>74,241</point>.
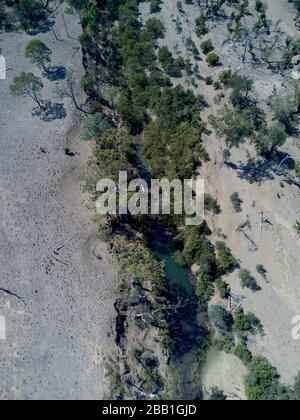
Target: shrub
<point>153,29</point>
<point>226,260</point>
<point>172,67</point>
<point>155,6</point>
<point>243,353</point>
<point>31,13</point>
<point>222,287</point>
<point>262,381</point>
<point>236,202</point>
<point>211,204</point>
<point>217,394</point>
<point>270,139</point>
<point>94,126</point>
<point>191,46</point>
<point>221,318</point>
<point>209,80</point>
<point>247,280</point>
<point>207,46</point>
<point>87,84</point>
<point>246,322</point>
<point>204,287</point>
<point>217,85</point>
<point>213,59</point>
<point>296,387</point>
<point>226,155</point>
<point>201,28</point>
<point>225,77</point>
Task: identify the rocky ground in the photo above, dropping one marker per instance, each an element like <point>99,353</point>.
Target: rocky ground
<point>58,306</point>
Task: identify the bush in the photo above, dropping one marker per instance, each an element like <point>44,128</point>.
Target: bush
<point>87,84</point>
<point>235,126</point>
<point>94,126</point>
<point>296,387</point>
<point>207,46</point>
<point>153,29</point>
<point>155,6</point>
<point>226,155</point>
<point>217,394</point>
<point>208,80</point>
<point>221,318</point>
<point>262,381</point>
<point>246,322</point>
<point>236,202</point>
<point>172,67</point>
<point>247,280</point>
<point>225,77</point>
<point>201,28</point>
<point>226,260</point>
<point>31,13</point>
<point>243,353</point>
<point>204,287</point>
<point>213,59</point>
<point>222,287</point>
<point>191,46</point>
<point>211,204</point>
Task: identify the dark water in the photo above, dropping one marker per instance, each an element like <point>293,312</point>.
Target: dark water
<point>176,275</point>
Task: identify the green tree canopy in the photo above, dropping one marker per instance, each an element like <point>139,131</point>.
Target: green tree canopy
<point>38,53</point>
<point>27,84</point>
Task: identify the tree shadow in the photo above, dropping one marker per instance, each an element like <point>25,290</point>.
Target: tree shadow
<point>43,26</point>
<point>256,170</point>
<point>50,111</point>
<point>55,73</point>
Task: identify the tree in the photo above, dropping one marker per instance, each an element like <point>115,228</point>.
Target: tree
<point>297,385</point>
<point>262,381</point>
<point>223,288</point>
<point>204,287</point>
<point>28,84</point>
<point>246,322</point>
<point>243,353</point>
<point>213,59</point>
<point>270,139</point>
<point>207,46</point>
<point>201,28</point>
<point>221,318</point>
<point>69,90</point>
<point>155,6</point>
<point>30,13</point>
<point>94,126</point>
<point>38,53</point>
<point>153,29</point>
<point>226,261</point>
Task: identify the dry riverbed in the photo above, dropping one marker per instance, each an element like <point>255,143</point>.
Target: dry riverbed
<point>60,315</point>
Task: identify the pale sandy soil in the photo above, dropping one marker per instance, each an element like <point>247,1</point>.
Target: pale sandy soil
<point>279,300</point>
<point>230,381</point>
<point>56,338</point>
